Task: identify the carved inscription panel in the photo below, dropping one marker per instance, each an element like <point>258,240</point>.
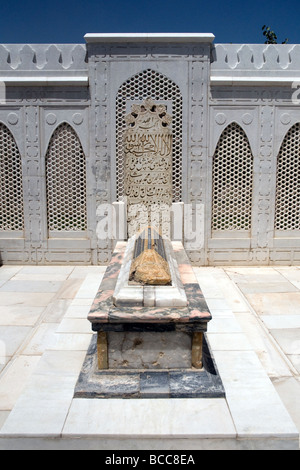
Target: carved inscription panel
<point>148,167</point>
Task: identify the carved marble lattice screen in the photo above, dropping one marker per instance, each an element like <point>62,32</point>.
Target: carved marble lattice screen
<point>66,181</point>
<point>232,181</point>
<point>287,210</point>
<point>149,84</point>
<point>11,187</point>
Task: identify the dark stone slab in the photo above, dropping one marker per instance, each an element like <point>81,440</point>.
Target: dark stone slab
<point>194,384</point>
<point>135,327</point>
<point>93,383</point>
<point>154,384</point>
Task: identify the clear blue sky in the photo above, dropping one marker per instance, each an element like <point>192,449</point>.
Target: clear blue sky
<point>66,21</point>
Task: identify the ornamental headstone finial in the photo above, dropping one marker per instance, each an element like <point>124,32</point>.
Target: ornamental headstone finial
<point>148,116</point>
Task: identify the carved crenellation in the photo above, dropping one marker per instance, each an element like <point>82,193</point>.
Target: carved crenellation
<point>35,57</point>
<point>255,57</point>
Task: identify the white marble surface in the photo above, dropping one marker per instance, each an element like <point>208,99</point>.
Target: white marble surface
<point>148,37</point>
<point>182,418</point>
<point>254,337</point>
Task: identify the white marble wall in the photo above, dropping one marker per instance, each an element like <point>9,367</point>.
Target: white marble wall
<point>255,86</point>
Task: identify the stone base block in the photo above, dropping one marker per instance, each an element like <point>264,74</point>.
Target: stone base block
<point>147,350</point>
<point>148,383</point>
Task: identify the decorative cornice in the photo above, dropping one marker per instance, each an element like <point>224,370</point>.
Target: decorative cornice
<point>149,37</point>
<point>39,80</point>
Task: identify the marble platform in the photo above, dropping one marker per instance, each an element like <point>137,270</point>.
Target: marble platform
<point>142,370</point>
<point>45,335</point>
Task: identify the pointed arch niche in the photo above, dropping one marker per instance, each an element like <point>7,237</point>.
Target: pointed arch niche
<point>11,185</point>
<point>149,84</point>
<point>232,182</point>
<point>66,183</point>
<point>287,202</point>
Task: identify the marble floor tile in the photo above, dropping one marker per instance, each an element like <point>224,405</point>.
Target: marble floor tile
<point>255,406</point>
<point>262,343</point>
<point>78,311</point>
<point>19,315</point>
<point>42,408</point>
<point>82,302</point>
<point>12,337</point>
<point>7,272</point>
<point>229,342</point>
<point>74,325</point>
<point>41,339</point>
<point>230,292</point>
<point>3,417</point>
<point>217,304</point>
<point>4,360</point>
<point>216,313</point>
<point>69,289</point>
<point>51,270</point>
<point>288,339</point>
<point>288,388</point>
<point>56,310</point>
<point>250,270</point>
<point>223,325</point>
<point>281,321</point>
<point>296,284</point>
<point>295,359</point>
<point>257,287</point>
<point>31,299</point>
<point>254,274</point>
<point>81,272</point>
<point>70,342</point>
<point>51,277</point>
<point>290,273</point>
<point>206,281</point>
<point>152,417</point>
<point>14,379</point>
<point>275,303</point>
<point>31,286</point>
<point>54,363</point>
<point>89,287</point>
